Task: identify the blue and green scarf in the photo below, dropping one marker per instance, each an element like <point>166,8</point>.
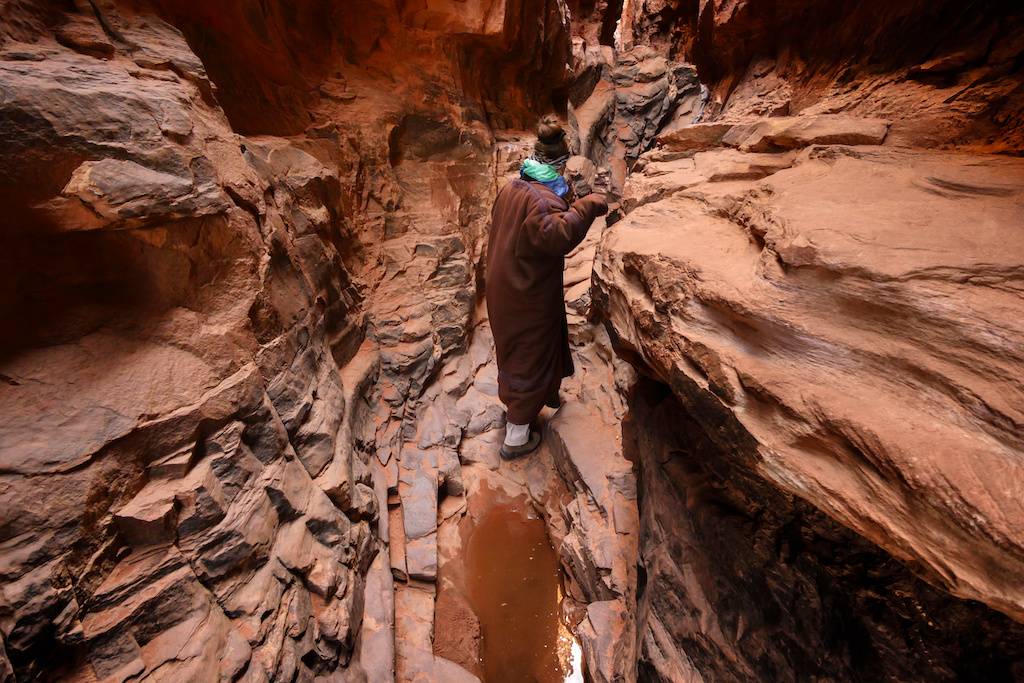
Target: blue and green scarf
<point>546,174</point>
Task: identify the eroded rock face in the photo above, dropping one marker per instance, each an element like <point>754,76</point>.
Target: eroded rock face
<point>841,328</point>
<point>809,291</point>
<point>947,73</point>
<point>186,385</point>
<point>807,234</point>
<point>621,101</point>
<point>247,386</point>
<point>216,377</point>
<point>742,581</point>
<point>276,65</point>
<point>172,437</point>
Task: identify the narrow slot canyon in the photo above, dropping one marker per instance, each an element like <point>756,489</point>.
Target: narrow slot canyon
<point>250,421</point>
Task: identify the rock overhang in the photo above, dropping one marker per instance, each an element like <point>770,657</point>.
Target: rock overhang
<point>846,315</point>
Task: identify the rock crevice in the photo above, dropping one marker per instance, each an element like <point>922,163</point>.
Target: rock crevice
<point>248,391</point>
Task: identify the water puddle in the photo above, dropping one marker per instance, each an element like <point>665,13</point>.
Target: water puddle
<point>514,586</point>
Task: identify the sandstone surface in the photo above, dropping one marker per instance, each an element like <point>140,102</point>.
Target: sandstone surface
<point>248,389</point>
<point>171,390</point>
<point>945,74</point>
<point>192,388</point>
<point>844,329</point>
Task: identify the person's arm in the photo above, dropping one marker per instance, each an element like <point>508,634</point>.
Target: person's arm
<point>557,233</point>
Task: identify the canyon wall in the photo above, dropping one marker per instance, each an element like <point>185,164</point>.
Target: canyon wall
<point>185,486</point>
<point>943,73</point>
<point>247,385</point>
<point>240,241</point>
<point>822,280</point>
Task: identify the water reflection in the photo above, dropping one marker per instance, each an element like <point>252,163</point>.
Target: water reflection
<point>515,588</point>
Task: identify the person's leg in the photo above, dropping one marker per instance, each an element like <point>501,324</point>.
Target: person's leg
<point>516,435</point>
<point>519,438</point>
<point>553,400</point>
<point>522,409</point>
<point>523,441</point>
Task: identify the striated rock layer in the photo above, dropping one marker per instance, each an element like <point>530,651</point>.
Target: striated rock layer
<point>829,308</point>
<point>248,391</point>
<point>742,581</point>
<point>946,73</point>
<point>183,485</point>
<point>243,364</point>
<point>215,345</point>
<point>843,332</point>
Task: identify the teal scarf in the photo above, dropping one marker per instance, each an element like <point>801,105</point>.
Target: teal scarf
<point>543,173</point>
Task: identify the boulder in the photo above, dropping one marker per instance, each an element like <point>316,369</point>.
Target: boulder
<point>783,133</point>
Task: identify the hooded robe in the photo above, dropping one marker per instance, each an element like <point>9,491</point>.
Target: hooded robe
<point>532,229</point>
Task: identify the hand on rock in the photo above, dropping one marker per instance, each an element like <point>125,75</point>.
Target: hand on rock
<point>581,187</point>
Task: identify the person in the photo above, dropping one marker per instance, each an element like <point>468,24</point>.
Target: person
<point>533,227</point>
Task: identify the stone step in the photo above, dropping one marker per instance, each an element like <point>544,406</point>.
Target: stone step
<point>450,672</point>
<point>150,517</point>
<point>417,487</point>
<point>599,551</point>
<point>414,632</point>
<point>588,453</point>
<point>376,646</point>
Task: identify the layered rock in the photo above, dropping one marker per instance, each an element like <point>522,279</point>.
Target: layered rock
<point>277,65</point>
<point>820,309</point>
<point>622,100</point>
<point>841,331</point>
<point>742,581</point>
<point>579,482</point>
<point>945,73</point>
<point>248,388</point>
<point>236,338</point>
<point>181,466</point>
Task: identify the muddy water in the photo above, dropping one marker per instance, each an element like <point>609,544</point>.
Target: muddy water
<point>514,586</point>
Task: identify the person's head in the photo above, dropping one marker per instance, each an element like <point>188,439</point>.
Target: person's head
<point>551,147</point>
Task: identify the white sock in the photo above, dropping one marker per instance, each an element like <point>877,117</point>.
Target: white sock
<point>516,435</point>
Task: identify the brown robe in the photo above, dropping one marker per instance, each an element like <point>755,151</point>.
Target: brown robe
<point>532,229</point>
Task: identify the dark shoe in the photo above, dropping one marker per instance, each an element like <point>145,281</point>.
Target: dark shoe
<point>513,452</point>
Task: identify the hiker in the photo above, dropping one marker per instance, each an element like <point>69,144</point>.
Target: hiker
<point>533,227</point>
